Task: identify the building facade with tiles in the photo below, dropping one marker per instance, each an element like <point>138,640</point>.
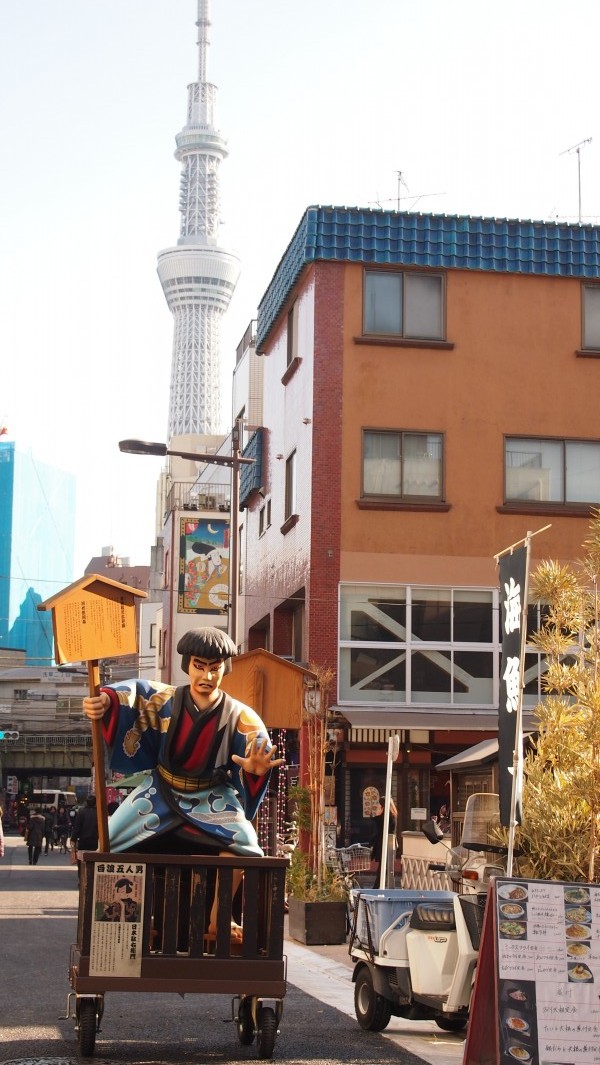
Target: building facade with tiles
<point>430,394</point>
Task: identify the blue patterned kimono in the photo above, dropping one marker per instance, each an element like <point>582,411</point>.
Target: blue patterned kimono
<point>141,728</point>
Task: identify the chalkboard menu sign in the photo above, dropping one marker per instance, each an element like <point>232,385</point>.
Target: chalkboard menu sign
<point>540,967</point>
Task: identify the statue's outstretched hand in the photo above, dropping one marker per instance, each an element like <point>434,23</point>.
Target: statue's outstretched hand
<point>260,758</point>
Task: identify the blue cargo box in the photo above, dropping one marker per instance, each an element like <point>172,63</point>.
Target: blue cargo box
<point>378,908</point>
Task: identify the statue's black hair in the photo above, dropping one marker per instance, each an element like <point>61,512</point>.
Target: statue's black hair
<point>210,643</point>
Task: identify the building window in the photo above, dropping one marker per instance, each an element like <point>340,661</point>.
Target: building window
<point>264,517</point>
<point>153,628</point>
<point>418,646</point>
<point>292,333</point>
<point>20,694</point>
<point>290,486</point>
<point>403,304</point>
<point>591,317</point>
<point>552,471</point>
<point>402,465</point>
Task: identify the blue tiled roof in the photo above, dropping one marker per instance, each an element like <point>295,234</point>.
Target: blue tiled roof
<point>352,234</point>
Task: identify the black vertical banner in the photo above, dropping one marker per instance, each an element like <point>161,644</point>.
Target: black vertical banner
<point>513,586</point>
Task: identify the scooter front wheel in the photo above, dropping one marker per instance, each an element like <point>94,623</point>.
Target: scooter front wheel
<point>373,1011</point>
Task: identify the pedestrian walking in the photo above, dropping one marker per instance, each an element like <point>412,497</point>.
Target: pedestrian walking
<point>50,818</point>
<point>62,828</point>
<point>34,834</point>
<point>84,833</point>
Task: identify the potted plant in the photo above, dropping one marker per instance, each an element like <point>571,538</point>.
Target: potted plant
<point>317,894</point>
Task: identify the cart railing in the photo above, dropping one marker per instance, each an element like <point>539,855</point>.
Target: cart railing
<point>175,944</point>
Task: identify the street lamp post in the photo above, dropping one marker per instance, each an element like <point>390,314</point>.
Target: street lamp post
<point>234,462</point>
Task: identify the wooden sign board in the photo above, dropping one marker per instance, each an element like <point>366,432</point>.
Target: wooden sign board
<point>93,618</point>
<point>270,685</point>
<point>538,976</point>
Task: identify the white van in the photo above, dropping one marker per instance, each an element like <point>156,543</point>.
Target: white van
<point>46,799</point>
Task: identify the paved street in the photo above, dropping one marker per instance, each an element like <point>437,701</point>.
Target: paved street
<point>37,925</point>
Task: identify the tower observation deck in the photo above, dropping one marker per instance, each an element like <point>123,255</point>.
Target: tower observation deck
<point>197,276</point>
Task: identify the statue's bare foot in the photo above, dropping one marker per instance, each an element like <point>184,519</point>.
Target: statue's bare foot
<point>237,932</point>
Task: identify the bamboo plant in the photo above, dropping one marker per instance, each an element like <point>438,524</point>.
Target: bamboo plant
<point>560,830</point>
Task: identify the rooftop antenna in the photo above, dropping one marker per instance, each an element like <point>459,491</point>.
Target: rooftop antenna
<point>414,197</point>
<point>401,182</point>
<point>577,148</point>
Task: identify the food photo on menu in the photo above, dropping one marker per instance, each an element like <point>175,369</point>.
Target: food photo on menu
<point>519,1053</point>
<point>512,911</point>
<point>518,1021</point>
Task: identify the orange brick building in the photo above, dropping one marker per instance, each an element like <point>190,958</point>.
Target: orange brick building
<point>430,395</point>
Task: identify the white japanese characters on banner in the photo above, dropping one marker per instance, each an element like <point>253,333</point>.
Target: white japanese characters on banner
<point>117,919</point>
<point>513,583</point>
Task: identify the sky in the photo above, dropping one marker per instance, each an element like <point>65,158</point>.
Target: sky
<point>442,106</point>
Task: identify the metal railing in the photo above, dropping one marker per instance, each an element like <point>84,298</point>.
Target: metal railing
<point>185,496</point>
<point>47,740</point>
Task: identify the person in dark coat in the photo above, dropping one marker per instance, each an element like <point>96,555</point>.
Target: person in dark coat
<point>84,834</point>
<point>34,834</point>
<point>378,838</point>
<point>62,828</point>
<point>50,819</point>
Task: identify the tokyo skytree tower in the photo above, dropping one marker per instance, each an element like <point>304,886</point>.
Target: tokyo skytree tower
<point>198,277</point>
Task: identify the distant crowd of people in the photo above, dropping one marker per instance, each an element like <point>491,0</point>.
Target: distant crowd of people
<point>71,830</point>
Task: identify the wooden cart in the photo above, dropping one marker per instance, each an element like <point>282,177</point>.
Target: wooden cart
<point>154,937</point>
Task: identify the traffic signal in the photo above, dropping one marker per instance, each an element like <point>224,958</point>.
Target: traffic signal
<point>8,735</point>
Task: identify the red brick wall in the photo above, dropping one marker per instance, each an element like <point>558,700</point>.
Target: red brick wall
<point>322,588</point>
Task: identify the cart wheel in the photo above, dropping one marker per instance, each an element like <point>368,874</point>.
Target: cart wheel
<point>373,1011</point>
<point>451,1024</point>
<point>87,1027</point>
<point>244,1023</point>
<point>267,1030</point>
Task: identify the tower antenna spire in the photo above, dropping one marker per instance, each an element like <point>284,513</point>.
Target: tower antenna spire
<point>198,276</point>
<point>203,25</point>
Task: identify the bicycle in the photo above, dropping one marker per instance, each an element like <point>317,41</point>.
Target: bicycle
<point>349,862</point>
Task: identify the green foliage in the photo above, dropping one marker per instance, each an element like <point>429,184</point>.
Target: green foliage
<point>301,798</point>
<point>303,883</point>
<point>561,793</point>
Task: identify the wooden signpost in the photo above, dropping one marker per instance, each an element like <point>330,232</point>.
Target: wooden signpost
<point>94,618</point>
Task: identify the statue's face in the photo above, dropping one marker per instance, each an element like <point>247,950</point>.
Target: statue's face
<point>205,677</point>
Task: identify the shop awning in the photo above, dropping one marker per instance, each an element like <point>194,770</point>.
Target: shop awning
<point>481,753</point>
<point>381,717</point>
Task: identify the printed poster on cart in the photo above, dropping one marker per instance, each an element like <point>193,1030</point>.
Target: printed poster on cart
<point>548,972</point>
<point>117,919</point>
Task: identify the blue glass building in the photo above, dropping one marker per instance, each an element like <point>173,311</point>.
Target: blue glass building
<point>37,535</point>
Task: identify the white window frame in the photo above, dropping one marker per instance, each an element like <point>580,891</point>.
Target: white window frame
<point>408,644</point>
